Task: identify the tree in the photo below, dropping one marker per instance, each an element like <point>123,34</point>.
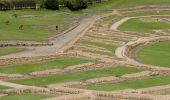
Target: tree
<point>77,4</point>
<point>52,4</point>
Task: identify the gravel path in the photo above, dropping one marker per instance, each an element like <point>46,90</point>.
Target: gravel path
<point>59,42</point>
<point>62,42</point>
<point>13,85</point>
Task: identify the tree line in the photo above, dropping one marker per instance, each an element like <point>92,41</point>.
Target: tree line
<point>48,4</point>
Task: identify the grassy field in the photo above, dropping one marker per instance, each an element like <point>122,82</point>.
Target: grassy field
<point>5,51</point>
<point>109,19</point>
<point>3,88</point>
<point>38,28</point>
<point>107,6</point>
<point>27,96</point>
<point>78,76</point>
<point>146,13</point>
<point>133,84</point>
<point>155,54</point>
<point>35,28</point>
<point>135,25</point>
<point>109,47</point>
<point>51,64</point>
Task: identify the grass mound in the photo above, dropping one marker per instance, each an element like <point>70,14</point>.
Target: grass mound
<point>6,51</point>
<point>134,84</point>
<point>77,76</point>
<point>135,25</point>
<point>27,96</point>
<point>155,54</point>
<point>50,64</point>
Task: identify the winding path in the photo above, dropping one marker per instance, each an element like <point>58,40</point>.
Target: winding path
<point>116,25</point>
<point>65,41</point>
<point>61,42</point>
<point>122,51</point>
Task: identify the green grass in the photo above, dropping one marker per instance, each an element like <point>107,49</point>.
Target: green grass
<point>51,64</point>
<point>109,47</point>
<point>62,19</point>
<point>109,19</point>
<point>28,96</point>
<point>3,88</point>
<point>5,51</point>
<point>146,13</point>
<point>155,54</point>
<point>29,32</point>
<point>77,76</point>
<point>108,6</point>
<point>135,25</point>
<point>133,84</point>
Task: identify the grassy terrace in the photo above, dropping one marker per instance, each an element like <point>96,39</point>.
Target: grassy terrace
<point>146,13</point>
<point>155,54</point>
<point>3,88</point>
<point>27,96</point>
<point>109,47</point>
<point>50,64</point>
<point>39,28</point>
<point>134,84</point>
<point>78,76</point>
<point>135,25</point>
<point>35,28</point>
<point>5,51</point>
<point>107,6</point>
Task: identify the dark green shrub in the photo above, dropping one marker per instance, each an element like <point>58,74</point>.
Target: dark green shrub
<point>5,4</point>
<point>76,4</point>
<point>52,4</point>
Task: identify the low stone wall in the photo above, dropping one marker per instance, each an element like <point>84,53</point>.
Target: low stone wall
<point>68,90</point>
<point>139,75</point>
<point>128,96</point>
<point>68,84</point>
<point>11,76</point>
<point>132,46</point>
<point>81,96</point>
<point>29,89</point>
<point>11,61</point>
<point>22,43</point>
<point>33,89</point>
<point>47,72</point>
<point>92,55</point>
<point>102,80</point>
<point>158,90</point>
<point>144,8</point>
<point>79,67</point>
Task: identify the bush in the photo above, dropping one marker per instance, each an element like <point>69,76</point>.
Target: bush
<point>52,4</point>
<point>5,4</point>
<point>76,4</point>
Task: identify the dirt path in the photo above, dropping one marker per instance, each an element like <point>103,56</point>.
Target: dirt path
<point>116,25</point>
<point>121,52</point>
<point>13,85</point>
<point>59,42</point>
<point>62,42</point>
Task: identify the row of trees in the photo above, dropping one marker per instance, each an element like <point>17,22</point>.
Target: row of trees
<point>17,4</point>
<point>49,4</point>
<point>71,4</point>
